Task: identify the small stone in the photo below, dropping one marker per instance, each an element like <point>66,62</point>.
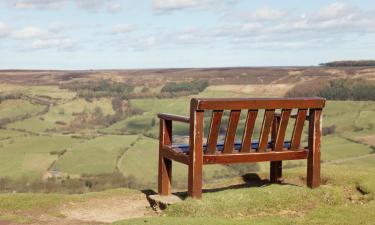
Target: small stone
<point>162,202</point>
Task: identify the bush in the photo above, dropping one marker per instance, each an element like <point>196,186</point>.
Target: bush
<point>193,86</point>
<point>328,130</point>
<point>95,89</point>
<point>337,89</point>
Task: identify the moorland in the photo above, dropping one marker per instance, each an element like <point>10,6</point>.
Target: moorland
<point>86,135</point>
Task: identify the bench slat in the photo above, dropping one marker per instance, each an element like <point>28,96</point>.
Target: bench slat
<point>280,135</point>
<point>231,131</point>
<point>266,128</point>
<point>255,157</point>
<point>214,131</point>
<point>248,130</point>
<point>298,128</point>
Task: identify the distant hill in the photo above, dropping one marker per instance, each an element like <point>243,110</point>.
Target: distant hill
<point>349,63</point>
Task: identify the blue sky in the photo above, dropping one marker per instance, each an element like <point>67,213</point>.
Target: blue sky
<point>119,34</point>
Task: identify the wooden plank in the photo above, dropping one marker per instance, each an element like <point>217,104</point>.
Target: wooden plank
<point>165,116</point>
<point>254,157</point>
<point>248,130</point>
<point>231,131</point>
<point>195,153</point>
<point>170,153</point>
<point>281,130</point>
<point>298,128</point>
<point>313,160</point>
<point>213,132</point>
<point>257,103</point>
<point>165,164</point>
<point>275,166</point>
<point>266,128</point>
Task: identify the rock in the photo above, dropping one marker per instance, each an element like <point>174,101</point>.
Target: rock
<point>159,202</point>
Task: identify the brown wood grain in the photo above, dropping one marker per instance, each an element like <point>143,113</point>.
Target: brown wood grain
<point>166,116</point>
<point>281,130</point>
<point>165,164</point>
<point>231,131</point>
<point>257,103</point>
<point>195,154</point>
<point>313,160</point>
<point>298,128</point>
<point>248,130</point>
<point>254,157</point>
<point>213,132</point>
<point>266,128</point>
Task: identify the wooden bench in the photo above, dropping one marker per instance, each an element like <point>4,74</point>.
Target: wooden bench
<point>276,116</point>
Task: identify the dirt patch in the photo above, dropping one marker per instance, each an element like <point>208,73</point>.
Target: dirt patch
<point>109,209</point>
<point>369,140</point>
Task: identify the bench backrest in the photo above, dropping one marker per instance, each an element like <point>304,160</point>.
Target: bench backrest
<point>273,128</point>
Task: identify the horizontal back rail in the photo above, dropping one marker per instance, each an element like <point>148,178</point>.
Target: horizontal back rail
<point>257,103</point>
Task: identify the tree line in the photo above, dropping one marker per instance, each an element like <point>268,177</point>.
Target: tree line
<point>349,63</point>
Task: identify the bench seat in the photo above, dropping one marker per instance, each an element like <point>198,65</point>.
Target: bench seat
<point>184,148</point>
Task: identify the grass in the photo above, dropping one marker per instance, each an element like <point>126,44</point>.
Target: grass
<point>8,134</point>
<point>292,203</point>
<point>81,105</point>
<point>141,160</point>
<point>51,91</point>
<point>95,156</point>
<point>18,107</point>
<point>30,156</point>
<point>62,113</point>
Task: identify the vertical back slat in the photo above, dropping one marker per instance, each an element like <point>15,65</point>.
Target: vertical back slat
<point>231,131</point>
<point>298,128</point>
<point>248,130</point>
<point>280,136</point>
<point>266,128</point>
<point>213,132</point>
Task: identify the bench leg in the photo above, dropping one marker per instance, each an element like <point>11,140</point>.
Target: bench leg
<point>313,170</point>
<point>165,176</point>
<point>195,180</point>
<point>276,171</point>
<point>313,160</point>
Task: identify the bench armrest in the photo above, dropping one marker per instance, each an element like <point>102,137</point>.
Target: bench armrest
<point>172,117</point>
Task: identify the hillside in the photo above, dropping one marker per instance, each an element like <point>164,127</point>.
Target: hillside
<point>80,135</point>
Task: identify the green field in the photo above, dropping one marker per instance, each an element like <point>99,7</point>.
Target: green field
<point>141,159</point>
<point>96,156</point>
<point>30,156</point>
<point>14,108</point>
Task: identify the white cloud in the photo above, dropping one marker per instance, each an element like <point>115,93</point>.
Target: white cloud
<point>39,4</point>
<point>122,29</point>
<point>30,32</point>
<point>90,5</point>
<point>267,13</point>
<point>114,7</point>
<point>166,6</point>
<point>56,43</point>
<point>4,30</point>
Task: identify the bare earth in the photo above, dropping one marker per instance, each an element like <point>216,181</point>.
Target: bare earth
<point>109,209</point>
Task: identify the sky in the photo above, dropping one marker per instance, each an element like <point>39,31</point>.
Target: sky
<point>134,34</point>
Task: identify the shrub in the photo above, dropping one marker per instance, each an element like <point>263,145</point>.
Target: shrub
<point>337,89</point>
<point>329,130</point>
<point>193,86</point>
